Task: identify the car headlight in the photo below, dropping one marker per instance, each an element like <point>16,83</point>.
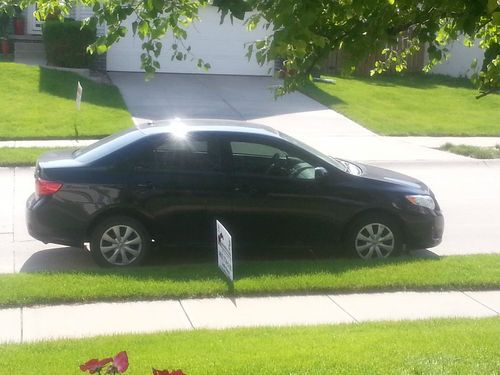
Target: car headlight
<point>421,200</point>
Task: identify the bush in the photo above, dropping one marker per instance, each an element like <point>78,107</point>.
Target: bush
<point>66,43</point>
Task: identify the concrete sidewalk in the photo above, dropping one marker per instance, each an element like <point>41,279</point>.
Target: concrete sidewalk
<point>30,324</point>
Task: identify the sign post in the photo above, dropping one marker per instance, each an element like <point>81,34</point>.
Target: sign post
<point>79,91</point>
<point>224,251</point>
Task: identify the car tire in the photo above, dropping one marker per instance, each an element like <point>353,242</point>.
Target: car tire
<point>374,237</point>
<point>119,241</point>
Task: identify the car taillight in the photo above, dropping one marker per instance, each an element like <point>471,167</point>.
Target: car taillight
<point>44,187</point>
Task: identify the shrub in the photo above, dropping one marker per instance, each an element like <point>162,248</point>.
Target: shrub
<point>66,43</point>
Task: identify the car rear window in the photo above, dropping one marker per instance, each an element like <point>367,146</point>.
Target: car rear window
<point>107,145</point>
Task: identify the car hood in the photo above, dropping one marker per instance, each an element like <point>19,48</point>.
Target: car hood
<point>388,176</point>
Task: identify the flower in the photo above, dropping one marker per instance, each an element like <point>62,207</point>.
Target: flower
<point>120,362</point>
<point>94,365</point>
<point>166,372</point>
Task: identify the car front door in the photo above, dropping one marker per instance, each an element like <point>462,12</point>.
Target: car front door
<point>276,200</point>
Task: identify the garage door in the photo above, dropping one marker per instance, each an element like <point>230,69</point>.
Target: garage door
<point>223,46</point>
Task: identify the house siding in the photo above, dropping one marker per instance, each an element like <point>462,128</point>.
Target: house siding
<point>460,59</point>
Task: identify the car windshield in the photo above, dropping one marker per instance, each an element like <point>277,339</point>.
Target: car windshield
<point>107,145</point>
<point>330,160</point>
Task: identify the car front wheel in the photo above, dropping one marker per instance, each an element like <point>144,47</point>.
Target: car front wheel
<point>119,241</point>
<point>375,237</point>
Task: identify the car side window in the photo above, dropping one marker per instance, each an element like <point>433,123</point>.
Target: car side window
<point>255,158</point>
<point>174,154</point>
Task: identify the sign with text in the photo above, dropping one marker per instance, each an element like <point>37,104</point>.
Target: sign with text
<point>224,251</point>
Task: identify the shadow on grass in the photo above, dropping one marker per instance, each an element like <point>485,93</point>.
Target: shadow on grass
<point>192,264</point>
<point>63,84</point>
<point>415,80</point>
<point>321,96</point>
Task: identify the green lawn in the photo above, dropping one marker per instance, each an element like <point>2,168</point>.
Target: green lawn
<point>38,103</point>
<point>412,105</point>
<point>432,347</point>
<point>473,151</point>
<point>21,156</point>
<point>475,272</point>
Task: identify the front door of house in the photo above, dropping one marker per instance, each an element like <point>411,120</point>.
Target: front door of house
<point>34,26</point>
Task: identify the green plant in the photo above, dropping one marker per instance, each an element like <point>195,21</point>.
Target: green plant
<point>66,43</point>
<point>7,11</point>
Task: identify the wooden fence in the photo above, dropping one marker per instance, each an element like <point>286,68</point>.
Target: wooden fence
<point>333,63</point>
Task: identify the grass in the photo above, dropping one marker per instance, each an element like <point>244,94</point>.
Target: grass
<point>21,156</point>
<point>474,272</point>
<point>425,105</point>
<point>473,151</point>
<point>444,346</point>
<point>39,103</point>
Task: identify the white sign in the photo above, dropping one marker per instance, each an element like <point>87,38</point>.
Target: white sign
<point>224,251</point>
<point>79,91</point>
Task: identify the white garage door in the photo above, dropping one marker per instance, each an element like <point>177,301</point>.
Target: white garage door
<point>223,46</point>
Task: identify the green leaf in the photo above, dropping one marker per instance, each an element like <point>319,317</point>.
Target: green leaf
<point>473,65</point>
<point>101,48</point>
<point>496,18</point>
<point>143,28</point>
<point>492,5</point>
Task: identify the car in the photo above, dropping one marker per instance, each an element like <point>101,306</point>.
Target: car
<point>166,183</point>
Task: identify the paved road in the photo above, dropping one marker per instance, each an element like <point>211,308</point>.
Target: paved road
<point>467,192</point>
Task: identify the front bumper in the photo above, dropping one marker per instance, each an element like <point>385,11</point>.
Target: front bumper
<point>423,231</point>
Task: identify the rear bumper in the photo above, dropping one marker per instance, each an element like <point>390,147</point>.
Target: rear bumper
<point>423,231</point>
<point>48,222</point>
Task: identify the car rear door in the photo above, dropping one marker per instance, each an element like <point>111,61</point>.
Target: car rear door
<point>173,178</point>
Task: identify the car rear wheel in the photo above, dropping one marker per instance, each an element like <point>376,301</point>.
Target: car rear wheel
<point>119,241</point>
<point>374,237</point>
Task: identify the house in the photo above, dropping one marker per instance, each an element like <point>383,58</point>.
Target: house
<point>223,46</point>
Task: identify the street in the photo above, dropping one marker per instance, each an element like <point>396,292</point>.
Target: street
<point>467,192</point>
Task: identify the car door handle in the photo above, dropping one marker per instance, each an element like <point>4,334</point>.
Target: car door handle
<point>146,185</point>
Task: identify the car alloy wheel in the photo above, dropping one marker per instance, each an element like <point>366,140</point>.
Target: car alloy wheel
<point>120,245</point>
<point>374,240</point>
<point>119,241</point>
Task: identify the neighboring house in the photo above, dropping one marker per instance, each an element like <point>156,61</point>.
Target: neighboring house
<point>223,46</point>
<point>459,63</point>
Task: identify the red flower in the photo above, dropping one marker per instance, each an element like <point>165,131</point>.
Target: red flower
<point>120,362</point>
<point>166,372</point>
<point>94,365</point>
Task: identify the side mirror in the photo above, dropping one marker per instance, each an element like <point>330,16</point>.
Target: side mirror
<point>320,173</point>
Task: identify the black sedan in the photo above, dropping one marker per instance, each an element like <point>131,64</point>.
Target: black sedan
<point>167,183</point>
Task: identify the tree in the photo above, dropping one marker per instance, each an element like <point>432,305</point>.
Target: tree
<point>303,32</point>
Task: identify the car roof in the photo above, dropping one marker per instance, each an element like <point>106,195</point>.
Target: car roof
<point>205,125</point>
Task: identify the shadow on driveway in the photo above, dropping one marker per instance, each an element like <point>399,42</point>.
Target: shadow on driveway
<point>59,259</point>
